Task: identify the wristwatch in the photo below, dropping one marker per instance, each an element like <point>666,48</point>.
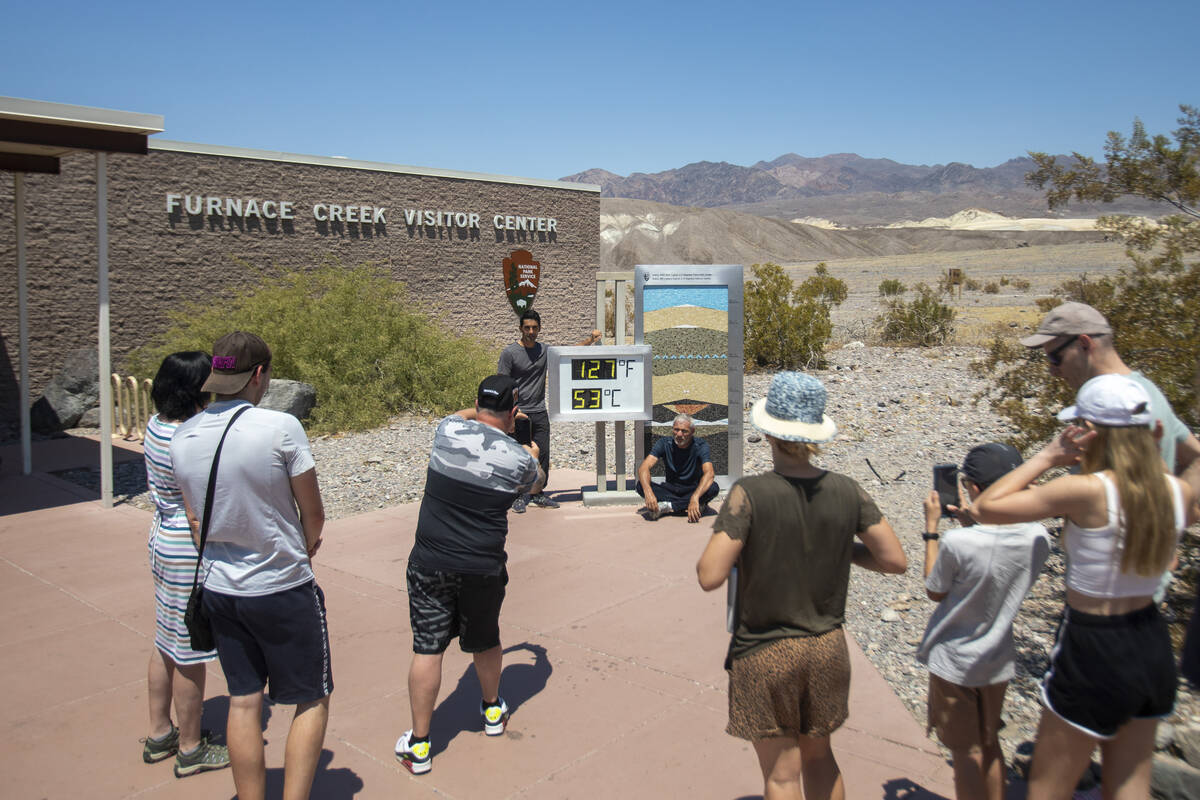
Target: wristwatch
<point>930,537</point>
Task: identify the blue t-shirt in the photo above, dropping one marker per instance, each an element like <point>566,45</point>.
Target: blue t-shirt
<point>682,465</point>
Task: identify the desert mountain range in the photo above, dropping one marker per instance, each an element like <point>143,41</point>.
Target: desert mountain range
<point>845,188</point>
<point>795,209</point>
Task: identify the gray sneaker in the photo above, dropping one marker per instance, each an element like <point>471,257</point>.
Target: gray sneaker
<point>519,504</point>
<point>542,501</point>
<point>663,508</point>
<point>206,757</point>
<point>156,750</point>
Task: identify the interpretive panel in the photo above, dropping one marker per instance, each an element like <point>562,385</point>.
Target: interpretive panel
<point>691,316</point>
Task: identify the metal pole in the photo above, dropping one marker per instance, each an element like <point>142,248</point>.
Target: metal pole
<point>23,325</point>
<point>601,456</point>
<point>619,427</point>
<point>106,398</point>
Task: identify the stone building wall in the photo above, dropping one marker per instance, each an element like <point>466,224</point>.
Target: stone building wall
<point>160,259</point>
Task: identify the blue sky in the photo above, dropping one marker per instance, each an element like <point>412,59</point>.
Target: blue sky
<point>543,90</point>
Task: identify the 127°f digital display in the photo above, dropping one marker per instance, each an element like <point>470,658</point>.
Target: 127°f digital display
<point>592,369</point>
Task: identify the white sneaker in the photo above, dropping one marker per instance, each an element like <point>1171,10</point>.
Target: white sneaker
<point>663,508</point>
<point>416,758</point>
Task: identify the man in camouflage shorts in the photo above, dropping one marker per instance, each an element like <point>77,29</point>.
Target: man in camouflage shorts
<point>456,575</point>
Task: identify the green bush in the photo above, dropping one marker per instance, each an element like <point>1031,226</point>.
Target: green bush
<point>890,287</point>
<point>1020,284</point>
<point>788,326</point>
<point>923,321</point>
<point>1004,280</point>
<point>351,333</point>
<point>971,285</point>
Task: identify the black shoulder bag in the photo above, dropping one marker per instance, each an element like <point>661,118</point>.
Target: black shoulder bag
<point>198,625</point>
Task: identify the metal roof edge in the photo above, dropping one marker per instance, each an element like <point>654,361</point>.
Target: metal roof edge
<point>167,145</point>
<point>19,108</point>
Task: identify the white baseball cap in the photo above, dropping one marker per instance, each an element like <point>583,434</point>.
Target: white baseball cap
<point>1113,400</point>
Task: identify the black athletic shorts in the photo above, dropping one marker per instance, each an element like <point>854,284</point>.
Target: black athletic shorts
<point>1106,670</point>
<point>279,639</point>
<point>442,605</point>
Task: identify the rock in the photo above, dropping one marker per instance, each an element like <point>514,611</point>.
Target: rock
<point>1022,759</point>
<point>855,345</point>
<point>1187,744</point>
<point>73,390</point>
<point>754,437</point>
<point>294,397</point>
<point>1164,736</point>
<point>1172,779</point>
<point>889,615</point>
<point>90,418</point>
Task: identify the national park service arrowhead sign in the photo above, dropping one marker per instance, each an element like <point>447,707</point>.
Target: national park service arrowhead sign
<point>521,274</point>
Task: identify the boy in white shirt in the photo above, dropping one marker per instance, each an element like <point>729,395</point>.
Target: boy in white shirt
<point>979,575</point>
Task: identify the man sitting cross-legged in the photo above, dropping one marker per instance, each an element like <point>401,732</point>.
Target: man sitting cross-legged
<point>691,482</point>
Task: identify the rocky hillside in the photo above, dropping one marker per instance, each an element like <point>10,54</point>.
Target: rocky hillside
<point>641,232</point>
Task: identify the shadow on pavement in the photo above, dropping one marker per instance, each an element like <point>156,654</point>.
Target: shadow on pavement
<point>459,711</point>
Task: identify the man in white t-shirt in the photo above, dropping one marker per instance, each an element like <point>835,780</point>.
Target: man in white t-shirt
<point>267,612</point>
<point>979,577</point>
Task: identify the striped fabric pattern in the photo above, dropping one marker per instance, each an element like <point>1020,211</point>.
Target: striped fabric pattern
<point>172,552</point>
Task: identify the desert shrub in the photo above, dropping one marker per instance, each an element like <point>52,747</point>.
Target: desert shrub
<point>971,285</point>
<point>787,326</point>
<point>890,287</point>
<point>924,320</point>
<point>1020,284</point>
<point>1004,280</point>
<point>991,288</point>
<point>351,333</point>
<point>1154,311</point>
<point>944,286</point>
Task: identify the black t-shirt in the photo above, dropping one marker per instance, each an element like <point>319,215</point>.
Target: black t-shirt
<point>682,465</point>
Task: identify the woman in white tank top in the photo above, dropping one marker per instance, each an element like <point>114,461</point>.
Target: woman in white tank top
<point>1112,672</point>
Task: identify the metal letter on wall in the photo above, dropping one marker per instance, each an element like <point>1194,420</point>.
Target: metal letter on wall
<point>691,316</point>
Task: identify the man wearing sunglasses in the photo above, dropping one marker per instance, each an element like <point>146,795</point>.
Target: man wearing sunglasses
<point>1078,343</point>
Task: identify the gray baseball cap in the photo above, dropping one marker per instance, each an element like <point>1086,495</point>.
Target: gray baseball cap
<point>1069,319</point>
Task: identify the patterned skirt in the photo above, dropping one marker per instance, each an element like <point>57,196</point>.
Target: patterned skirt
<point>172,563</point>
<point>789,687</point>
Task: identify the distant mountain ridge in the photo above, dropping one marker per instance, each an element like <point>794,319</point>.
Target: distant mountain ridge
<point>843,186</point>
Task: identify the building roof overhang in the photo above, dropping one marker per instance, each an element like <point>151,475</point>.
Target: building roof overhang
<point>35,134</point>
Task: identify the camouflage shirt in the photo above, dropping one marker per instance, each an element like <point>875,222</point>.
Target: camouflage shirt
<point>475,472</point>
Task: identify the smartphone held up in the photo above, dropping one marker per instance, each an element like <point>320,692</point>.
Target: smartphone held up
<point>945,483</point>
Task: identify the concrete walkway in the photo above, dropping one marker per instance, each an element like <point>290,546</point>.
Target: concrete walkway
<point>613,665</point>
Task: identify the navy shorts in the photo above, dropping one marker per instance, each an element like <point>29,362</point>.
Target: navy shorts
<point>442,605</point>
<point>279,639</point>
<point>1107,670</point>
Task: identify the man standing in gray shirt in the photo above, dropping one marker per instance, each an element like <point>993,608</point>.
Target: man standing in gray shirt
<point>267,612</point>
<point>525,362</point>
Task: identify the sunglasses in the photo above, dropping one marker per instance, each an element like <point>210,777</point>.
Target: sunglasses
<point>1055,356</point>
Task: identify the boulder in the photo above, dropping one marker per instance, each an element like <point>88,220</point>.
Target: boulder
<point>294,397</point>
<point>90,418</point>
<point>75,389</point>
<point>1172,779</point>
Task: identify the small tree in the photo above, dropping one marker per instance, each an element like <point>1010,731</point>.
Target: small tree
<point>788,326</point>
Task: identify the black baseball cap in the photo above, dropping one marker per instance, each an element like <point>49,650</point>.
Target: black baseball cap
<point>988,463</point>
<point>497,393</point>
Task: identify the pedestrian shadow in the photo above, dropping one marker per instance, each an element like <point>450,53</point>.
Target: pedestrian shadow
<point>519,682</point>
<point>906,789</point>
<point>328,784</point>
<point>215,715</point>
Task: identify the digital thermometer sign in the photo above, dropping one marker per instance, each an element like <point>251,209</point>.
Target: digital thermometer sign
<point>599,383</point>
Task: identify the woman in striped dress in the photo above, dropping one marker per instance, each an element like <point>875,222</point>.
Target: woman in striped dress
<point>176,671</point>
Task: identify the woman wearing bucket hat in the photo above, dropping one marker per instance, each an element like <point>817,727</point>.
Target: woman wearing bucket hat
<point>1112,670</point>
<point>791,533</point>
